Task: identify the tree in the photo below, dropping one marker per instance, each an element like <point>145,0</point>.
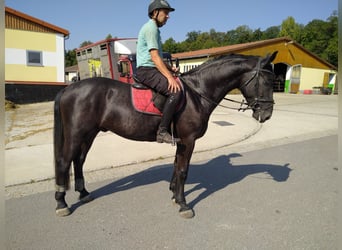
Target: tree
<point>85,43</point>
<point>218,37</point>
<point>321,38</point>
<point>331,52</point>
<point>170,46</point>
<point>70,58</point>
<point>205,40</point>
<point>290,28</point>
<point>271,32</point>
<point>315,37</point>
<point>244,34</point>
<point>192,36</point>
<point>257,35</point>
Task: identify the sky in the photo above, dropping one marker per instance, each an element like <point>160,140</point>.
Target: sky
<point>93,20</point>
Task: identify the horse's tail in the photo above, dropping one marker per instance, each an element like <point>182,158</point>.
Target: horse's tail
<point>58,138</point>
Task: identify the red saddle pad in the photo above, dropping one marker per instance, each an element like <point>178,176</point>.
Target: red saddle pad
<point>142,101</point>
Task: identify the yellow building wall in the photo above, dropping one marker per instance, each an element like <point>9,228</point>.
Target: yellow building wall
<point>312,78</point>
<point>17,42</point>
<point>17,72</point>
<point>20,39</point>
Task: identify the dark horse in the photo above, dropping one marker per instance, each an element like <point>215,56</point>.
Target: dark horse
<point>85,108</point>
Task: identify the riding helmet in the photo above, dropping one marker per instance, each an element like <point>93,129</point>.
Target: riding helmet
<point>158,4</point>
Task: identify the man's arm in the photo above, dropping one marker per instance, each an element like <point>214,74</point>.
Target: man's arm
<point>158,61</point>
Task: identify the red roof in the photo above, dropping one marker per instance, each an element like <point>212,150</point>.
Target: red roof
<point>227,49</point>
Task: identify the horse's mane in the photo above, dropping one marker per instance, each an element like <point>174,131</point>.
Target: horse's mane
<point>237,59</point>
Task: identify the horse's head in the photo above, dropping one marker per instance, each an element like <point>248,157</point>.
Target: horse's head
<point>258,88</point>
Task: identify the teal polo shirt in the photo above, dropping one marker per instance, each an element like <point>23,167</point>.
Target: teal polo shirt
<point>148,38</point>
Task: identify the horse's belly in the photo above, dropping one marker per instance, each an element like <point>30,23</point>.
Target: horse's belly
<point>137,127</point>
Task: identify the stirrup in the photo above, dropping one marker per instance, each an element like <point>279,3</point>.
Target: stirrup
<point>164,136</point>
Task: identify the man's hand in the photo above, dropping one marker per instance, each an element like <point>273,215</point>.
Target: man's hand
<point>175,69</point>
<point>174,86</point>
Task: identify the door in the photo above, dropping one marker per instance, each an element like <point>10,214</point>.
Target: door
<point>292,82</point>
<point>125,71</point>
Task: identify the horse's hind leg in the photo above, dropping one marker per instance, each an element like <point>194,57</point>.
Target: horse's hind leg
<point>62,185</point>
<point>78,169</point>
<point>72,148</point>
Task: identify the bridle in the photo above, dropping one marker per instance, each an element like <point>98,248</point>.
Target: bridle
<point>254,104</point>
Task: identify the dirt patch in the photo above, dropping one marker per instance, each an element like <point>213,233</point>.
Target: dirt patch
<point>29,124</point>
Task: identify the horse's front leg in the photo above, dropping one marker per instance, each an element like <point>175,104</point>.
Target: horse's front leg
<point>80,187</point>
<point>181,167</point>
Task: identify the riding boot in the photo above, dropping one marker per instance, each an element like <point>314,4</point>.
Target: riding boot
<point>170,106</point>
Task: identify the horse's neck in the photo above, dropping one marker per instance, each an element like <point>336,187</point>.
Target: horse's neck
<point>207,93</point>
<point>215,86</point>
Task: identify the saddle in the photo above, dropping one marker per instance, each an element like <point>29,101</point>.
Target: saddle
<point>147,100</point>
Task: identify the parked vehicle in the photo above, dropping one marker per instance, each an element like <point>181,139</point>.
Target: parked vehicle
<point>113,58</point>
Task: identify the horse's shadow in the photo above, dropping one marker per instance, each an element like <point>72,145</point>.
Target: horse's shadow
<point>211,177</point>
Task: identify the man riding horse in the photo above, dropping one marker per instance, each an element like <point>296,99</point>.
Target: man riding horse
<point>151,69</point>
<point>85,108</point>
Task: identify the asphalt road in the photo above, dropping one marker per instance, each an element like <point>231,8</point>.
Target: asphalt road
<point>280,197</point>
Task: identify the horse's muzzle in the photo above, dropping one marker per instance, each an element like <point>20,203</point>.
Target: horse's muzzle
<point>262,115</point>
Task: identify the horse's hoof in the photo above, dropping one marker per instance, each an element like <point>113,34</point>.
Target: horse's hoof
<point>87,198</point>
<point>63,212</point>
<point>187,214</point>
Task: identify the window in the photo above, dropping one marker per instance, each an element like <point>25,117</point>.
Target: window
<point>89,53</point>
<point>34,58</point>
<point>124,69</point>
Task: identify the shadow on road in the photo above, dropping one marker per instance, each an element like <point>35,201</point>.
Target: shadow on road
<point>211,177</point>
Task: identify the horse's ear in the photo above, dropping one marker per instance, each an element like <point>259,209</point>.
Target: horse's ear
<point>268,59</point>
<point>273,56</point>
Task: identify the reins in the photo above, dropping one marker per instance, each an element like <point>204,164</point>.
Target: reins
<point>243,102</point>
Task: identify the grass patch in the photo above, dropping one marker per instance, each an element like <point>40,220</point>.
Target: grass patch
<point>10,105</point>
